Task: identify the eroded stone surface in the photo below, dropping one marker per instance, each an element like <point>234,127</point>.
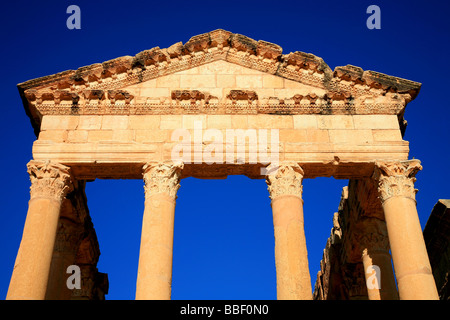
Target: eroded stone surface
<point>358,229</point>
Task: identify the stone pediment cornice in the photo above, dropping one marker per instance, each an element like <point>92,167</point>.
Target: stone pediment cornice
<point>107,80</point>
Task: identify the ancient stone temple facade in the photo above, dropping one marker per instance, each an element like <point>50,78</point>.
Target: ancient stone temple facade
<point>222,104</point>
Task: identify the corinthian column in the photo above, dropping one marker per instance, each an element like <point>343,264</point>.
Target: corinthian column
<point>291,257</point>
<point>50,183</point>
<point>411,264</point>
<point>154,277</point>
<point>374,244</point>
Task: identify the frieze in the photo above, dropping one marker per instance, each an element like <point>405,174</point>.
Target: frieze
<point>210,105</point>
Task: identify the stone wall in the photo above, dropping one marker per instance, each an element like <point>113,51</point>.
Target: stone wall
<point>339,279</point>
<point>341,274</point>
<point>358,224</point>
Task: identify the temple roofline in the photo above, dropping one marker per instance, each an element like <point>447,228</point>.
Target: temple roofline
<point>216,45</point>
<point>221,38</point>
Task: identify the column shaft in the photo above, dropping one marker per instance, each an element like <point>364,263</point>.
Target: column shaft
<point>50,183</point>
<point>154,277</point>
<point>155,259</point>
<point>412,267</point>
<point>379,276</point>
<point>291,257</point>
<point>373,241</point>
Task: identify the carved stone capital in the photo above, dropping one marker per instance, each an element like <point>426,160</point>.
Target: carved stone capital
<point>285,179</point>
<point>396,179</point>
<point>162,178</point>
<point>49,180</point>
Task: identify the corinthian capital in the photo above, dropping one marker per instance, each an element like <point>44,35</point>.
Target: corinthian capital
<point>396,178</point>
<point>285,179</point>
<point>49,180</point>
<point>162,178</point>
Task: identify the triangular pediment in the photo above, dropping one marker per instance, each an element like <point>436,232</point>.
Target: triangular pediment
<point>221,82</point>
<point>216,72</point>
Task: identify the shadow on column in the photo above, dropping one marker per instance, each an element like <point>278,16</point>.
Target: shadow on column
<point>76,244</point>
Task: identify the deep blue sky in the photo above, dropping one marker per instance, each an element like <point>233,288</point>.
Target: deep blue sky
<point>223,245</point>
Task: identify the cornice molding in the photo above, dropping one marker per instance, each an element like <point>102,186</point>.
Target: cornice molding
<point>222,45</point>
